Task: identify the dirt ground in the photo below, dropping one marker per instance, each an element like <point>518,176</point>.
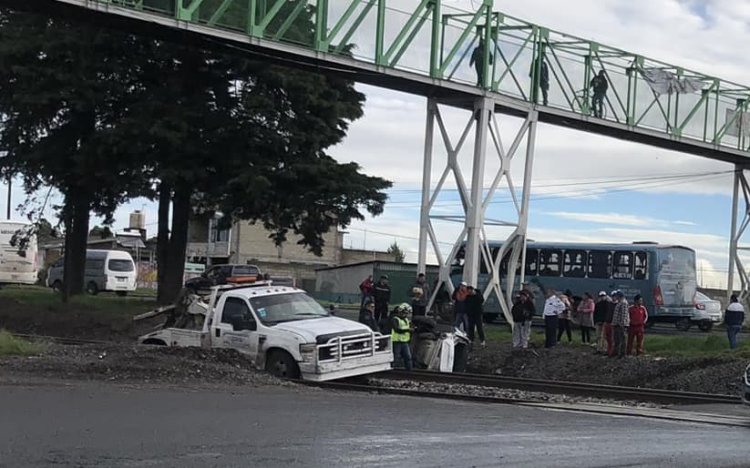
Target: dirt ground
<point>713,374</point>
<point>137,364</point>
<point>105,319</point>
<point>77,320</point>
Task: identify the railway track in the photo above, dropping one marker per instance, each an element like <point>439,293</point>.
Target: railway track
<point>678,413</point>
<point>565,388</point>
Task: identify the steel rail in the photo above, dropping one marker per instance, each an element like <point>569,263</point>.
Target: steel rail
<point>563,387</point>
<point>357,385</point>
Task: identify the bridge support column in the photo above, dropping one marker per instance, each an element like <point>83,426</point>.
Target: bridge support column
<point>472,245</point>
<point>736,236</point>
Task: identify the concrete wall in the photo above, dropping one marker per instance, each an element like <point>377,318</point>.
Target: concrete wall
<point>250,242</point>
<point>349,256</point>
<point>341,284</point>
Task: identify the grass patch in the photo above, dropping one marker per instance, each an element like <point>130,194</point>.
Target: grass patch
<point>12,346</point>
<point>37,310</point>
<point>712,345</point>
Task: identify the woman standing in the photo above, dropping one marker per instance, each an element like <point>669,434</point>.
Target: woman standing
<point>586,317</point>
<point>563,324</point>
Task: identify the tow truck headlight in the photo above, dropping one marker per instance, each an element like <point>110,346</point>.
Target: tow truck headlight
<point>307,351</point>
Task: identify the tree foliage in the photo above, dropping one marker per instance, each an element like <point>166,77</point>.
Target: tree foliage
<point>398,254</point>
<point>104,116</point>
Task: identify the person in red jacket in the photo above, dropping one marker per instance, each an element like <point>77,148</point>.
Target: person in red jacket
<point>638,318</point>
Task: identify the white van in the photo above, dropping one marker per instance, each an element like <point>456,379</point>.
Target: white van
<point>106,270</point>
<point>17,266</point>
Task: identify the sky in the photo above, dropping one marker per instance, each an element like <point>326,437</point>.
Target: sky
<point>584,187</point>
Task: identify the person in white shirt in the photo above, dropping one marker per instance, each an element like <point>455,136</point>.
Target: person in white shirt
<point>553,307</point>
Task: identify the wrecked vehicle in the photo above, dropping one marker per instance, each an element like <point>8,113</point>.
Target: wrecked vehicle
<point>281,329</point>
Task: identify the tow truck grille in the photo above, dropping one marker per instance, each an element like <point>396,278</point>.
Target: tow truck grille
<point>351,347</point>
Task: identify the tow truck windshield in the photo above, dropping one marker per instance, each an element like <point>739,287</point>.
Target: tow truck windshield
<point>272,310</point>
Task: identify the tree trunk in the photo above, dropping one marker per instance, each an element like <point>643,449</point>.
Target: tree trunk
<point>77,215</point>
<point>162,240</point>
<point>177,243</point>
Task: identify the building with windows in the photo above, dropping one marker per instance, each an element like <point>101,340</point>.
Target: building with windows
<point>248,243</point>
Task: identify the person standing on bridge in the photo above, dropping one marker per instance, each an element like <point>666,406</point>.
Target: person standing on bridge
<point>733,318</point>
<point>553,307</point>
<point>620,323</point>
<point>477,60</point>
<point>638,318</point>
<point>543,80</point>
<point>599,85</point>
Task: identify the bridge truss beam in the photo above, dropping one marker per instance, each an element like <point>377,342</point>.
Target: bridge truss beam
<point>475,200</point>
<point>737,234</point>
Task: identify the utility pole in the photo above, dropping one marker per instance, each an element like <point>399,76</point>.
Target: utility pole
<point>10,184</point>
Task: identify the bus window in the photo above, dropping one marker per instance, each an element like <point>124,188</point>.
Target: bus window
<point>532,257</point>
<point>600,264</point>
<point>641,266</point>
<point>623,265</point>
<point>574,264</point>
<point>549,262</point>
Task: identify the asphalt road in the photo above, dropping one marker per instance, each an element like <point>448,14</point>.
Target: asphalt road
<point>105,425</point>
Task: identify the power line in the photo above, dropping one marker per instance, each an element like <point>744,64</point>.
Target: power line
<point>568,194</point>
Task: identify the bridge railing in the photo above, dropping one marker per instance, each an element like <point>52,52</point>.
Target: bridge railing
<point>519,59</point>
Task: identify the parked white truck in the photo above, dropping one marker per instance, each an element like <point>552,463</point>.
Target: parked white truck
<point>281,329</point>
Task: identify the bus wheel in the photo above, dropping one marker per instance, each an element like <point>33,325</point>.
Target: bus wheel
<point>92,289</point>
<point>705,326</point>
<point>683,324</point>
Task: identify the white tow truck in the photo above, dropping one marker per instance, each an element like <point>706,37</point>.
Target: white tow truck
<point>282,329</point>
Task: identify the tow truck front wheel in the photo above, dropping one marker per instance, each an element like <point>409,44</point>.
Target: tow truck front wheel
<point>281,364</point>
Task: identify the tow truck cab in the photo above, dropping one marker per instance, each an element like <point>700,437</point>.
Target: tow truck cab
<point>285,331</point>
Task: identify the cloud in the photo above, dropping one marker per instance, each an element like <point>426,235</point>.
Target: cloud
<point>606,218</point>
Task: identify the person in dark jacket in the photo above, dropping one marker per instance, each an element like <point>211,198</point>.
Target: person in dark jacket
<point>600,315</point>
<point>608,330</point>
<point>367,316</point>
<point>733,318</point>
<point>523,313</point>
<point>420,295</point>
<point>382,295</point>
<point>474,312</point>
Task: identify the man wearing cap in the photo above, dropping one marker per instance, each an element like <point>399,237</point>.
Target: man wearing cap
<point>459,306</point>
<point>420,295</point>
<point>553,307</point>
<point>600,314</point>
<point>382,295</point>
<point>620,323</point>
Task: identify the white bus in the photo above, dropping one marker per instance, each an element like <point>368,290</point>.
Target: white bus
<point>17,266</point>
